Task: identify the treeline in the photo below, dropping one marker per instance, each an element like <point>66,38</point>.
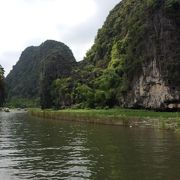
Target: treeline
<point>79,91</point>
<point>2,86</point>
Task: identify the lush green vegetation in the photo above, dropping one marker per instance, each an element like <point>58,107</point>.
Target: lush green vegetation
<point>2,86</point>
<point>116,112</point>
<point>22,103</point>
<point>135,33</point>
<point>116,116</point>
<point>34,72</point>
<point>56,65</point>
<point>122,48</point>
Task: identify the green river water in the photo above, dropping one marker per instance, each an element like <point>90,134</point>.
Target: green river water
<point>32,148</point>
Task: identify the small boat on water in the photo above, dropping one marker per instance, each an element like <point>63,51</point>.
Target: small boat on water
<point>6,110</point>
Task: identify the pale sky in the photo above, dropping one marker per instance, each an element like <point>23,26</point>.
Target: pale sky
<point>25,23</point>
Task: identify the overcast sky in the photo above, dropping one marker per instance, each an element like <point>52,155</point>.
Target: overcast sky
<point>30,22</point>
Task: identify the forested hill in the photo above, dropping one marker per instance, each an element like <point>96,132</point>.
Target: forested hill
<point>134,62</point>
<point>24,79</point>
<point>2,86</point>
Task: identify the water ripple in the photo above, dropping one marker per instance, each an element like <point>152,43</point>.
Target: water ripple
<point>32,148</point>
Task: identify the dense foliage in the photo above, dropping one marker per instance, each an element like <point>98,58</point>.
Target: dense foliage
<point>24,81</point>
<point>132,36</point>
<point>56,65</point>
<point>135,33</point>
<point>2,86</point>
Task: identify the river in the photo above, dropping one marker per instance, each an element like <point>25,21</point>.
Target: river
<point>32,148</point>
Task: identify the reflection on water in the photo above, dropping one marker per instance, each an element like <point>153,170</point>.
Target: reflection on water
<point>33,148</point>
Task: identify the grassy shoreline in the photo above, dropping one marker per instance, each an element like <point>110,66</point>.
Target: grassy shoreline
<point>123,117</point>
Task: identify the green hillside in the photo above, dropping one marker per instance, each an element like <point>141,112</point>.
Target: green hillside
<point>24,81</point>
<point>134,63</point>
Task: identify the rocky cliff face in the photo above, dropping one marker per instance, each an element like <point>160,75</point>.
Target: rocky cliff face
<point>158,84</point>
<point>140,41</point>
<point>151,91</point>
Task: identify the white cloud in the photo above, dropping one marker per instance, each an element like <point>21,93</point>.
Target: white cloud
<point>30,22</point>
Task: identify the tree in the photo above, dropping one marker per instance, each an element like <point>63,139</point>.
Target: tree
<point>61,92</point>
<point>55,66</point>
<point>85,95</point>
<point>2,86</point>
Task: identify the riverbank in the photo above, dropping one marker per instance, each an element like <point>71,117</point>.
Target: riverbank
<point>123,117</point>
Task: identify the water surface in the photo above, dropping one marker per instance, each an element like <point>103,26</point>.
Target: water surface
<point>32,148</point>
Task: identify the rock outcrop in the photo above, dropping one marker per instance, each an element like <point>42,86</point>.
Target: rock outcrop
<point>140,41</point>
<point>24,80</point>
<point>151,91</point>
<point>158,84</point>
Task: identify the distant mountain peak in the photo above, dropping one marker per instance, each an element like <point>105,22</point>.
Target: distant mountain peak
<point>24,80</point>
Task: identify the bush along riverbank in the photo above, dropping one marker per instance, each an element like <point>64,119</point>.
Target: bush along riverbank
<point>123,117</point>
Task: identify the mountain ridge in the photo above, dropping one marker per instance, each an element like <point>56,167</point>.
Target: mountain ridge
<point>24,80</point>
<point>133,63</point>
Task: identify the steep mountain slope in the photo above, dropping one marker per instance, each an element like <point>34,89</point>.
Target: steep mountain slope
<point>134,62</point>
<point>139,48</point>
<point>24,80</point>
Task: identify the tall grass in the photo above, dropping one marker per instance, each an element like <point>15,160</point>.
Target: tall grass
<point>125,117</point>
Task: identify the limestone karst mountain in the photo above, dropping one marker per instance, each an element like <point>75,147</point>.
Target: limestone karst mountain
<point>134,62</point>
<point>25,78</point>
<point>140,42</point>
